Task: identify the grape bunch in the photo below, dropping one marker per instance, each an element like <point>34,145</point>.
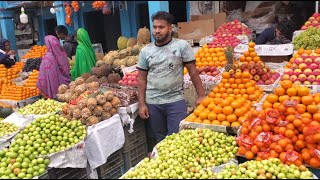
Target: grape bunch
<point>309,39</point>
<point>32,64</point>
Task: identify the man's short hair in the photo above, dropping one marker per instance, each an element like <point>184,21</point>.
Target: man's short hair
<point>162,15</point>
<point>61,29</point>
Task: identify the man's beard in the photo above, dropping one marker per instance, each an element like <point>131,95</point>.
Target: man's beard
<point>164,38</point>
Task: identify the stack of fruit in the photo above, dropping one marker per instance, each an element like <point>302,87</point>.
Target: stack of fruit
<point>7,128</point>
<point>35,52</point>
<point>7,74</point>
<point>226,34</point>
<point>229,101</point>
<point>32,79</point>
<point>265,169</point>
<point>130,79</point>
<point>250,55</point>
<point>288,126</point>
<point>313,21</point>
<point>303,68</point>
<point>210,57</point>
<point>309,39</point>
<point>262,74</point>
<point>42,107</point>
<point>14,92</point>
<point>42,137</point>
<point>187,154</point>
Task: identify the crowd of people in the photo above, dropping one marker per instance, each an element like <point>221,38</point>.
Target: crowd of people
<point>54,68</point>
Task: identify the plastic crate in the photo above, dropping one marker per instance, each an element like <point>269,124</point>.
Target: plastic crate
<point>44,176</point>
<point>138,136</point>
<point>67,173</point>
<point>135,155</point>
<point>113,168</point>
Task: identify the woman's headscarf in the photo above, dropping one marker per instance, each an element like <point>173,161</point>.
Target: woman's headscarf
<point>2,43</point>
<point>54,68</point>
<point>85,55</point>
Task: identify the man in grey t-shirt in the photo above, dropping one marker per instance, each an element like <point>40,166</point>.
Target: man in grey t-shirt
<point>160,79</point>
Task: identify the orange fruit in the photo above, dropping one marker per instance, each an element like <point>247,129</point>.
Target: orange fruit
<point>307,100</point>
<point>226,75</point>
<point>212,116</point>
<point>272,98</point>
<point>312,109</point>
<point>225,123</point>
<point>221,117</point>
<point>251,49</point>
<point>289,134</point>
<point>232,118</point>
<point>303,91</point>
<point>251,44</point>
<point>249,155</point>
<point>215,122</point>
<point>253,54</point>
<point>292,91</point>
<point>227,110</point>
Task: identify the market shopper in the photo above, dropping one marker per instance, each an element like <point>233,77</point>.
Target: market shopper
<point>54,68</point>
<point>85,55</point>
<point>274,35</point>
<point>7,56</point>
<point>70,43</point>
<point>160,79</point>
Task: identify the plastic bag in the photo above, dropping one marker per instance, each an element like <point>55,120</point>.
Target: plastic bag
<point>255,122</point>
<point>272,116</point>
<point>291,156</point>
<point>290,103</point>
<point>264,137</point>
<point>218,169</point>
<point>244,140</point>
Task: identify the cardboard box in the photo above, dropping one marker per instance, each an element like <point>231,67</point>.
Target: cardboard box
<point>275,59</point>
<point>219,18</point>
<point>195,30</point>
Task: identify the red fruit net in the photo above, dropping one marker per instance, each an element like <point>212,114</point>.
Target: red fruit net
<point>264,137</point>
<point>290,103</point>
<point>272,116</point>
<point>244,140</point>
<point>291,156</point>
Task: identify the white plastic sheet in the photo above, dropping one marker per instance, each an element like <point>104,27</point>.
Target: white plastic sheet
<point>102,140</point>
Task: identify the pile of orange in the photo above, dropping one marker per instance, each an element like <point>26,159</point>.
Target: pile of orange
<point>8,74</point>
<point>301,52</point>
<point>32,79</point>
<point>250,55</point>
<point>35,52</point>
<point>14,92</point>
<point>293,117</point>
<point>210,57</point>
<point>240,86</point>
<point>229,102</point>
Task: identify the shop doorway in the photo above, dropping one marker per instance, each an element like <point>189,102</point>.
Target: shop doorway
<point>106,29</point>
<point>143,16</point>
<point>50,24</point>
<point>179,11</point>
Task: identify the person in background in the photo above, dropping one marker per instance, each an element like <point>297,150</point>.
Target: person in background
<point>160,79</point>
<point>85,55</point>
<point>70,43</point>
<point>7,56</point>
<point>274,35</point>
<point>54,68</point>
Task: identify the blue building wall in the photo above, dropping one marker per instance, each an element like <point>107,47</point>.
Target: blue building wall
<point>129,18</point>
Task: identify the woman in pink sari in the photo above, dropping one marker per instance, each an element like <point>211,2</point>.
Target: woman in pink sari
<point>54,68</point>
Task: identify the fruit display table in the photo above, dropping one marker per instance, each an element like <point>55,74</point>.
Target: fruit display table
<point>129,114</point>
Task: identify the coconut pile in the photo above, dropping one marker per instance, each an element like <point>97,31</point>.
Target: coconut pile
<point>93,108</point>
<point>129,49</point>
